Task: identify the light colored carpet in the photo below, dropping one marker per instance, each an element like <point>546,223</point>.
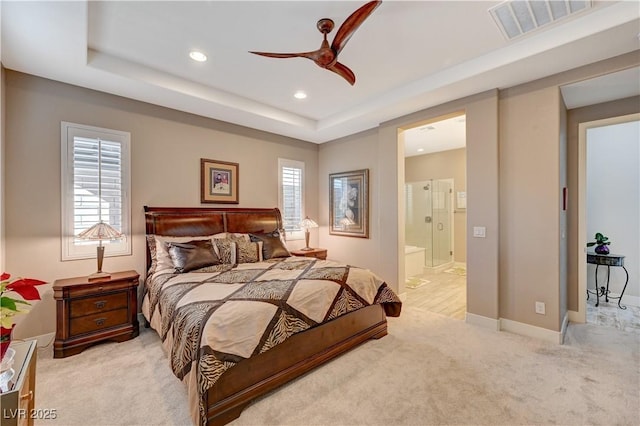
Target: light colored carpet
<point>429,370</point>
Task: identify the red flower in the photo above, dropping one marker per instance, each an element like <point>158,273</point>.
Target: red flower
<point>25,287</point>
<point>9,306</point>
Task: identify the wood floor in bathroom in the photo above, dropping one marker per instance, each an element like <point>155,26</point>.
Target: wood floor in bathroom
<point>441,292</point>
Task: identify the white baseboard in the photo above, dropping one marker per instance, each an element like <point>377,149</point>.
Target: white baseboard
<point>485,322</point>
<point>627,300</point>
<point>532,330</point>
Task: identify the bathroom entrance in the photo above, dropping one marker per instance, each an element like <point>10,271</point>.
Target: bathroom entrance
<point>429,220</point>
<point>435,215</point>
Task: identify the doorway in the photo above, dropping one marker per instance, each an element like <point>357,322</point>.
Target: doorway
<point>435,215</point>
<point>609,188</point>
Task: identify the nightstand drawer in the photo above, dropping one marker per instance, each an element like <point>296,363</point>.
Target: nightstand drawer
<point>98,321</point>
<point>101,303</point>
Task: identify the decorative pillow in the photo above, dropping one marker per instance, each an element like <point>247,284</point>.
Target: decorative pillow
<point>151,242</point>
<point>163,259</point>
<point>192,255</point>
<point>248,252</point>
<point>238,236</point>
<point>272,245</point>
<point>226,250</point>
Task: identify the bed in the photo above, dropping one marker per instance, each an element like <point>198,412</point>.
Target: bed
<point>304,311</point>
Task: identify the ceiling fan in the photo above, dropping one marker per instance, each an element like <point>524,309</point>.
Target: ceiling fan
<point>327,56</point>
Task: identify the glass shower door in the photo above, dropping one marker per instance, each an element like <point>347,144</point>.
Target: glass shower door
<point>441,238</point>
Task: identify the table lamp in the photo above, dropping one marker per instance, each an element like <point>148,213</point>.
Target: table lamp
<point>100,231</point>
<point>307,224</point>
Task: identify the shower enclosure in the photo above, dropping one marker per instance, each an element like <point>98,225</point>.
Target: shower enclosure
<point>429,219</point>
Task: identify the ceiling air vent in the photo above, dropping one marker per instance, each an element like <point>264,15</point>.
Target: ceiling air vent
<point>518,17</point>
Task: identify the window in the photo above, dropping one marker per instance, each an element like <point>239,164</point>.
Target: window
<point>95,186</point>
<point>291,196</point>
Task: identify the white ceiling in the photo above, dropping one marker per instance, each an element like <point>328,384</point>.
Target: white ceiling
<point>406,56</point>
<point>442,135</point>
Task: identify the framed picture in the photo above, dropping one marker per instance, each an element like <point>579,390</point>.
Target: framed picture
<point>218,182</point>
<point>349,203</point>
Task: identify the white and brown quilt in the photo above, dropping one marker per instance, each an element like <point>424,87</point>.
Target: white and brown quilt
<point>209,321</point>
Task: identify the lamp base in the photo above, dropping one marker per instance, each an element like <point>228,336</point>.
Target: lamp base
<point>307,249</point>
<point>99,276</point>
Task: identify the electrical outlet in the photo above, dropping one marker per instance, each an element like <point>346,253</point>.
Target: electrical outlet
<point>540,308</point>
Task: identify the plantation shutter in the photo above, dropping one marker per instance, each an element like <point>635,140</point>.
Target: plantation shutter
<point>97,183</point>
<point>291,198</point>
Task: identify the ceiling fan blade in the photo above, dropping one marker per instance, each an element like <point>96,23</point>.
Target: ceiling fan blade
<point>309,55</point>
<point>351,24</point>
<point>278,55</point>
<point>344,72</point>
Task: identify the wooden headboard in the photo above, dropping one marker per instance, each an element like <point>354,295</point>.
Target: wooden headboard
<point>197,221</point>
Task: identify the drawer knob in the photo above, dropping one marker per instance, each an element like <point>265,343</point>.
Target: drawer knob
<point>27,396</point>
<point>100,321</point>
<point>101,304</point>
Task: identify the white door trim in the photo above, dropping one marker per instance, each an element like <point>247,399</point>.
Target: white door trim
<point>581,315</point>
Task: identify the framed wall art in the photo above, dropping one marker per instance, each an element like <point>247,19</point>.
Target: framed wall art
<point>219,182</point>
<point>349,203</point>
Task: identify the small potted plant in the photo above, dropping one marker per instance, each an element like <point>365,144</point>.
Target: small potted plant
<point>601,244</point>
<point>10,306</point>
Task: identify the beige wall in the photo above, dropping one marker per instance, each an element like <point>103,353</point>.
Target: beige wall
<point>381,151</point>
<point>444,165</point>
<point>529,228</point>
<point>352,153</point>
<point>166,147</point>
<point>574,118</point>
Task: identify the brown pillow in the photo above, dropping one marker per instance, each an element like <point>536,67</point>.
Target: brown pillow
<point>192,255</point>
<point>272,245</point>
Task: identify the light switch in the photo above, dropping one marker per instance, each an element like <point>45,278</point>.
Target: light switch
<point>479,231</point>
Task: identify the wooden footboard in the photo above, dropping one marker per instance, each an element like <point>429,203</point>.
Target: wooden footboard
<point>253,377</point>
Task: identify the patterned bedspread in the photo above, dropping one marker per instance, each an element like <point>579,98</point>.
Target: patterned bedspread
<point>209,321</point>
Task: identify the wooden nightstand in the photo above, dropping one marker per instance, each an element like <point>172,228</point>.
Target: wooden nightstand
<point>93,311</point>
<point>318,253</point>
<point>18,399</point>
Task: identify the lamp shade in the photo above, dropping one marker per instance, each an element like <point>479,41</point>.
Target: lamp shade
<point>307,223</point>
<point>100,231</point>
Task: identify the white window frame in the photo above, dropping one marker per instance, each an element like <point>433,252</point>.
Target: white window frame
<point>284,162</point>
<point>71,249</point>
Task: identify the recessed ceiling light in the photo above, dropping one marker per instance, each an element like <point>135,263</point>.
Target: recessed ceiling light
<point>300,95</point>
<point>197,56</point>
<point>425,128</point>
<point>420,149</point>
